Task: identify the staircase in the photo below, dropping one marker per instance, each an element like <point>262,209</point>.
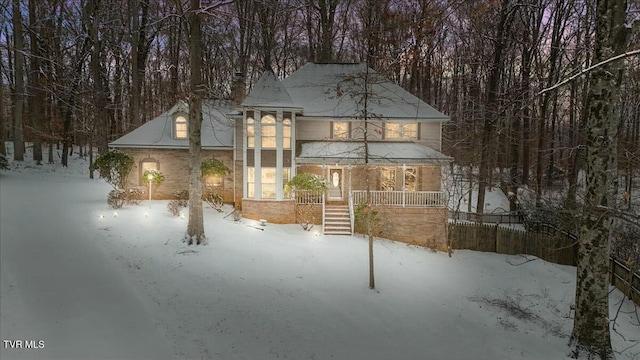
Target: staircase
<point>336,220</point>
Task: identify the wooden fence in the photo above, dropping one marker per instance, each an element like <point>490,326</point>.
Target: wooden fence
<point>555,247</point>
<point>501,218</point>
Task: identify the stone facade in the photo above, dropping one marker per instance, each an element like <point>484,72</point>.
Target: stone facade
<point>174,164</point>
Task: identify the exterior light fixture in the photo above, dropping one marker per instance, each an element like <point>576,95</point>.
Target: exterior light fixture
<point>150,177</point>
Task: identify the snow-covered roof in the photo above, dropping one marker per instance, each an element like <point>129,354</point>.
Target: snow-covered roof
<point>379,152</point>
<point>336,90</point>
<point>268,92</point>
<point>217,129</point>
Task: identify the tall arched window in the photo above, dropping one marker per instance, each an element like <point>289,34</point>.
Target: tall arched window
<point>251,133</point>
<point>268,131</point>
<point>286,134</point>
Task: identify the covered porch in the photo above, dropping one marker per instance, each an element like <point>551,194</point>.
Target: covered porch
<point>399,175</point>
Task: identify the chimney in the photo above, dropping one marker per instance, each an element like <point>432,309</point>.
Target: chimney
<point>238,91</point>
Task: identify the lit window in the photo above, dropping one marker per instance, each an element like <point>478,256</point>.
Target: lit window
<point>396,131</point>
<point>251,135</point>
<point>214,181</point>
<point>388,179</point>
<point>268,131</point>
<point>251,182</point>
<point>410,131</point>
<point>147,164</point>
<point>286,176</point>
<point>340,130</point>
<point>180,127</point>
<point>410,175</point>
<point>268,183</point>
<point>286,133</point>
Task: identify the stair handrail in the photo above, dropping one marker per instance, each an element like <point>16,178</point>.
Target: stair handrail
<point>323,211</point>
<point>351,212</point>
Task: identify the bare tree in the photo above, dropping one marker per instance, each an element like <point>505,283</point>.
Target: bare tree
<point>19,88</point>
<point>591,335</point>
<point>195,228</point>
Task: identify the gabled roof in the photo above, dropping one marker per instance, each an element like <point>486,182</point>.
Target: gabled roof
<point>268,92</point>
<point>347,152</point>
<point>217,129</point>
<point>336,90</point>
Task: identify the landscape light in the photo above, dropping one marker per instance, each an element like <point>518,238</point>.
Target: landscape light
<point>115,213</point>
<point>150,177</point>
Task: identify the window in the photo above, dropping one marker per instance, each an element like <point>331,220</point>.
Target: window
<point>180,130</point>
<point>214,181</point>
<point>251,176</point>
<point>251,135</point>
<point>340,130</point>
<point>268,183</point>
<point>397,131</point>
<point>268,131</point>
<point>286,176</point>
<point>286,134</point>
<point>388,179</point>
<point>147,164</point>
<point>410,175</point>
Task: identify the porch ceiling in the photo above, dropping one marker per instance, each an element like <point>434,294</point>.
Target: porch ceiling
<point>322,152</point>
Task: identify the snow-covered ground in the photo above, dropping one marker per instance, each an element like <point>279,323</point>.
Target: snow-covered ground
<point>93,283</point>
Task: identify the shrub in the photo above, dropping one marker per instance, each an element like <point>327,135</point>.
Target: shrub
<point>306,181</point>
<point>116,198</point>
<point>114,167</point>
<point>156,177</point>
<point>179,202</point>
<point>213,198</point>
<point>213,167</point>
<point>134,196</point>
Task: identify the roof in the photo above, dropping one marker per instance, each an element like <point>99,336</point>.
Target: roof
<point>268,92</point>
<point>217,129</point>
<point>379,152</point>
<point>335,90</point>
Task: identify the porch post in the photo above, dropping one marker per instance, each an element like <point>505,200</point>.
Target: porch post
<point>404,183</point>
<point>279,152</point>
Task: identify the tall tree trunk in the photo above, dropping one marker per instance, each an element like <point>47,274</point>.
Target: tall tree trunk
<point>491,117</point>
<point>591,335</point>
<point>37,97</point>
<point>139,12</point>
<point>19,89</point>
<point>195,228</point>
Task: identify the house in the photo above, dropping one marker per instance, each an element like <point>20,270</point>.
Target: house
<point>313,121</point>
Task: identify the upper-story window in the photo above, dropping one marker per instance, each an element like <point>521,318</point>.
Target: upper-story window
<point>340,130</point>
<point>268,131</point>
<point>180,127</point>
<point>286,133</point>
<point>251,132</point>
<point>399,131</point>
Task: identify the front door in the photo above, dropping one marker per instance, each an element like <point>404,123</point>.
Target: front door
<point>336,186</point>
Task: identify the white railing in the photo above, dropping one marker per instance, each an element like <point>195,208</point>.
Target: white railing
<point>401,198</point>
<point>351,211</point>
<point>308,197</point>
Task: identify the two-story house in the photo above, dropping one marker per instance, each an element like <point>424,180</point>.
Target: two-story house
<point>316,121</point>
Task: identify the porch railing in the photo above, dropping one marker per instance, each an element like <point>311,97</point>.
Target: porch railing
<point>401,198</point>
<point>308,197</point>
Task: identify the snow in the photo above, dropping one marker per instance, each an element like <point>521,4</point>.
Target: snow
<point>217,129</point>
<point>93,283</point>
<point>335,90</point>
<point>379,152</point>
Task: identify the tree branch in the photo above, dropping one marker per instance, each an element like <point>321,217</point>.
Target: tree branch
<point>589,69</point>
